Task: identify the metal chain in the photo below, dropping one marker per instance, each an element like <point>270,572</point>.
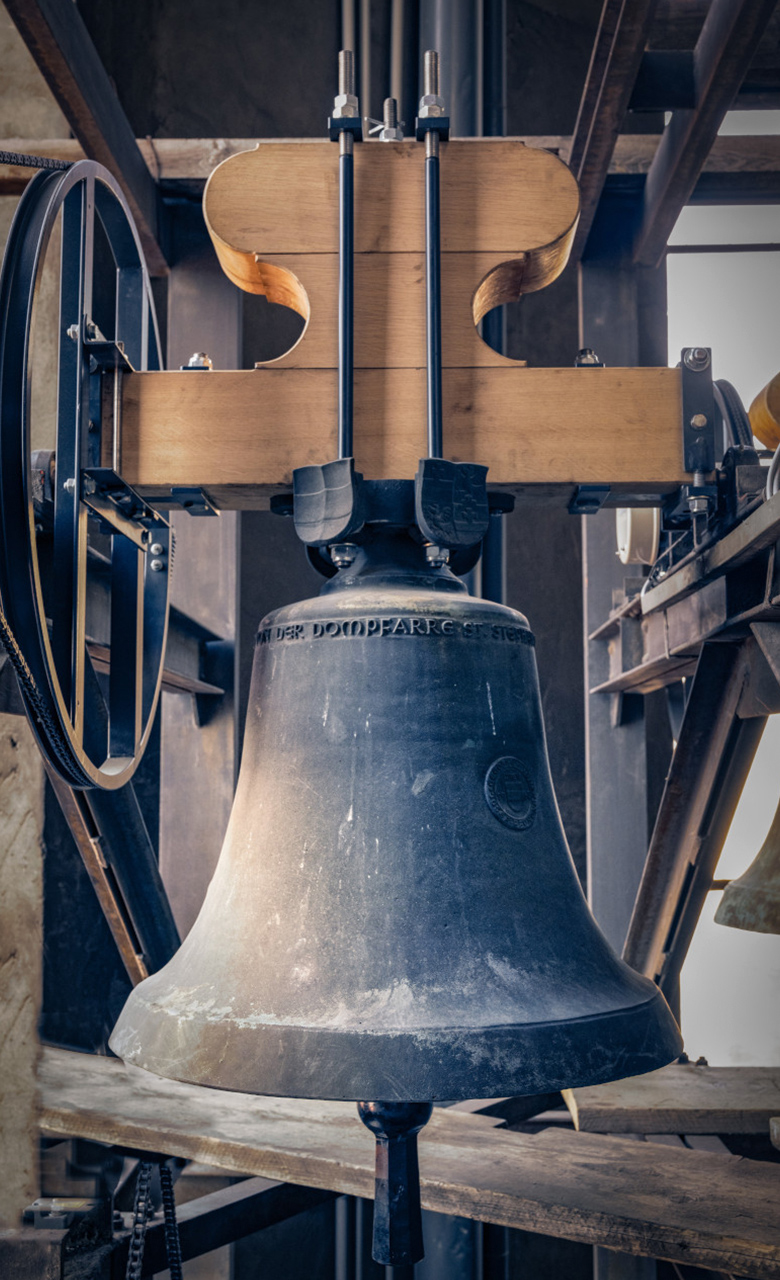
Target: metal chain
<point>172,1241</point>
<point>33,162</point>
<point>141,1209</point>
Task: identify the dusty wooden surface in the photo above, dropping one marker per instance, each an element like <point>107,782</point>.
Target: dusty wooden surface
<point>680,1098</point>
<point>708,1210</point>
<point>239,435</point>
<point>21,946</point>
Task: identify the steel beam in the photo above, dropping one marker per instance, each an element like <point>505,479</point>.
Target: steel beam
<point>614,66</point>
<point>723,53</point>
<point>58,40</point>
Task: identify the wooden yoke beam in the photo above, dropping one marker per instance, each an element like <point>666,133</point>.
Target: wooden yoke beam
<point>238,436</point>
<point>509,214</point>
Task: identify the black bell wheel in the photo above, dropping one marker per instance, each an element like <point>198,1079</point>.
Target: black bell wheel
<point>84,561</point>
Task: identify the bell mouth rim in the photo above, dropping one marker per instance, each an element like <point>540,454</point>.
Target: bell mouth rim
<point>484,1062</point>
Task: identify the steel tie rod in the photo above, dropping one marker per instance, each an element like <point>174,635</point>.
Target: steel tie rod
<point>345,123</point>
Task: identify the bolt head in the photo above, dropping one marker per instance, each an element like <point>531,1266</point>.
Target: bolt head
<point>345,107</point>
<point>342,554</point>
<point>396,134</point>
<point>586,356</point>
<point>157,549</point>
<point>696,358</point>
<point>698,505</point>
<point>73,332</point>
<point>70,485</point>
<point>92,330</point>
<point>437,557</point>
<point>157,566</point>
<point>699,421</point>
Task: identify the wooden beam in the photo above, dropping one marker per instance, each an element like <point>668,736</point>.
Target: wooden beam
<point>58,40</point>
<point>707,1210</point>
<point>723,53</point>
<point>21,964</point>
<point>617,54</point>
<point>238,435</point>
<point>194,159</point>
<point>680,1098</point>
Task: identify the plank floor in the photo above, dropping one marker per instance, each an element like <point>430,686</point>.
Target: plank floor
<point>718,1211</point>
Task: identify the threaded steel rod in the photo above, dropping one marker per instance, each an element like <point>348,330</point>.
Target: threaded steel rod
<point>346,266</point>
<point>433,302</point>
<point>433,266</point>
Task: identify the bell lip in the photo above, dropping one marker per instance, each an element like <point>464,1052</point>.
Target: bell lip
<point>403,1066</point>
<point>746,908</point>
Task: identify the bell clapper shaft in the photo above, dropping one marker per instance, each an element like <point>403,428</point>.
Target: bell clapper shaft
<point>398,1239</point>
<point>346,124</point>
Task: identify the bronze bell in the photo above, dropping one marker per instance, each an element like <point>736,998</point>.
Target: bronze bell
<point>395,914</point>
<point>753,901</point>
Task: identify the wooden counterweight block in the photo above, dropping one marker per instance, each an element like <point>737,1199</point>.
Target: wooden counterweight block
<point>509,213</point>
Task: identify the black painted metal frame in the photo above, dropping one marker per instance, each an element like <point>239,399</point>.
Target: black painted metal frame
<point>45,604</point>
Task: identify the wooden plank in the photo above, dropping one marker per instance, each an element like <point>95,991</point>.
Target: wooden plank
<point>21,952</point>
<point>680,1098</point>
<point>58,40</point>
<point>389,306</point>
<point>715,1211</point>
<point>239,435</point>
<point>723,53</point>
<point>617,53</point>
<point>193,159</point>
<point>497,196</point>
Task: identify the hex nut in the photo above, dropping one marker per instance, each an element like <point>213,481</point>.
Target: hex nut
<point>342,554</point>
<point>696,359</point>
<point>431,105</point>
<point>345,106</point>
<point>437,557</point>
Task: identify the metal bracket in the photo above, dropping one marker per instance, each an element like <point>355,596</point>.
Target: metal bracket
<point>588,499</point>
<point>119,506</point>
<point>193,500</point>
<point>432,124</point>
<point>698,410</point>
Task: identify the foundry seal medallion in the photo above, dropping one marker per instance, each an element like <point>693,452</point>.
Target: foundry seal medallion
<point>510,793</point>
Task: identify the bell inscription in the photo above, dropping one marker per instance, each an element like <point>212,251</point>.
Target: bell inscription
<point>400,625</point>
<point>510,793</point>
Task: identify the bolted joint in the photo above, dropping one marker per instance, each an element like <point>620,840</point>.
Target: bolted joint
<point>696,358</point>
<point>342,554</point>
<point>199,361</point>
<point>437,557</point>
<point>391,131</point>
<point>586,358</point>
<point>431,106</point>
<point>345,107</point>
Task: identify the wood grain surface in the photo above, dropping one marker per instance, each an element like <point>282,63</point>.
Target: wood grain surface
<point>707,1210</point>
<point>681,1098</point>
<point>239,435</point>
